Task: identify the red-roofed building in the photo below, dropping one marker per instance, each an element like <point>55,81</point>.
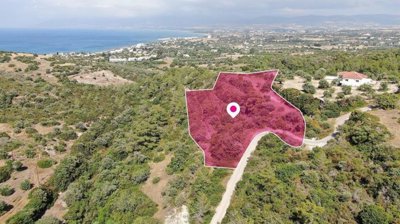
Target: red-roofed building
<point>353,79</point>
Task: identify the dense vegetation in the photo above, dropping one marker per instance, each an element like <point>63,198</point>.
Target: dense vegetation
<point>355,179</point>
<point>124,128</point>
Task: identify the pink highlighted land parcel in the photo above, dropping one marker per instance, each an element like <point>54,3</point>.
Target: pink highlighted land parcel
<point>224,137</point>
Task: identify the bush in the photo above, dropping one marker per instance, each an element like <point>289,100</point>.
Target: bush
<point>340,96</point>
<point>6,191</point>
<point>4,135</point>
<point>66,172</point>
<point>30,153</point>
<point>386,101</point>
<point>320,73</point>
<point>48,220</point>
<point>68,134</point>
<point>156,180</point>
<point>366,88</point>
<point>365,129</point>
<point>5,173</point>
<point>17,165</point>
<point>25,185</point>
<point>45,163</point>
<point>5,58</point>
<point>32,67</point>
<point>60,147</point>
<point>331,110</point>
<point>4,207</point>
<point>346,90</point>
<point>309,88</point>
<point>373,214</point>
<point>323,84</point>
<point>328,93</point>
<point>383,86</point>
<point>39,200</point>
<point>4,154</point>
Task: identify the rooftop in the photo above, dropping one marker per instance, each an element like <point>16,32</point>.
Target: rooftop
<point>352,75</point>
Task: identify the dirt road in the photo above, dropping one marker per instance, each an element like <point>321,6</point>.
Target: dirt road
<point>311,143</point>
<point>235,178</point>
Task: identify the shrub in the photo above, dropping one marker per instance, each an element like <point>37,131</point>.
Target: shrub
<point>5,58</point>
<point>386,101</point>
<point>6,190</point>
<point>328,93</point>
<point>346,90</point>
<point>45,163</point>
<point>39,200</point>
<point>365,129</point>
<point>30,153</point>
<point>25,185</point>
<point>366,88</point>
<point>159,158</point>
<point>48,220</point>
<point>3,154</point>
<point>17,165</point>
<point>4,135</point>
<point>156,180</point>
<point>373,214</point>
<point>4,207</point>
<point>60,147</point>
<point>68,134</point>
<point>331,110</point>
<point>309,88</point>
<point>320,73</point>
<point>340,96</point>
<point>5,173</point>
<point>323,84</point>
<point>66,172</point>
<point>383,86</point>
<point>32,67</point>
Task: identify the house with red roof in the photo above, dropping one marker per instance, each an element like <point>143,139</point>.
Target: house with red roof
<point>353,79</point>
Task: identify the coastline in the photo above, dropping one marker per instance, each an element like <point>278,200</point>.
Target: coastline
<point>76,41</point>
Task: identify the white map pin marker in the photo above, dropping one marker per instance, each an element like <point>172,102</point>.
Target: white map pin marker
<point>233,109</point>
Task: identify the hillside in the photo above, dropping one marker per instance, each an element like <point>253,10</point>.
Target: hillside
<point>88,150</point>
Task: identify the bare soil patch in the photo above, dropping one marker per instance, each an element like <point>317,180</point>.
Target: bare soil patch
<point>100,78</point>
<point>59,208</point>
<point>13,64</point>
<point>44,130</point>
<point>389,118</point>
<point>154,191</point>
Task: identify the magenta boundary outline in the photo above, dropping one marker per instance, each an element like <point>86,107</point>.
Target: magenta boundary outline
<point>265,132</point>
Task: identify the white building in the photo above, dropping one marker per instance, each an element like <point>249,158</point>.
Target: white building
<point>118,60</point>
<point>353,79</point>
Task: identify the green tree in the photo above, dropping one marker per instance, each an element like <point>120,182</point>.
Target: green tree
<point>386,101</point>
<point>66,172</point>
<point>309,88</point>
<point>320,73</point>
<point>323,84</point>
<point>373,214</point>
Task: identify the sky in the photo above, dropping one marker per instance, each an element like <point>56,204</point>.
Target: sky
<point>136,13</point>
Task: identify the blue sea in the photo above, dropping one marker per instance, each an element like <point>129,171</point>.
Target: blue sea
<point>44,41</point>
